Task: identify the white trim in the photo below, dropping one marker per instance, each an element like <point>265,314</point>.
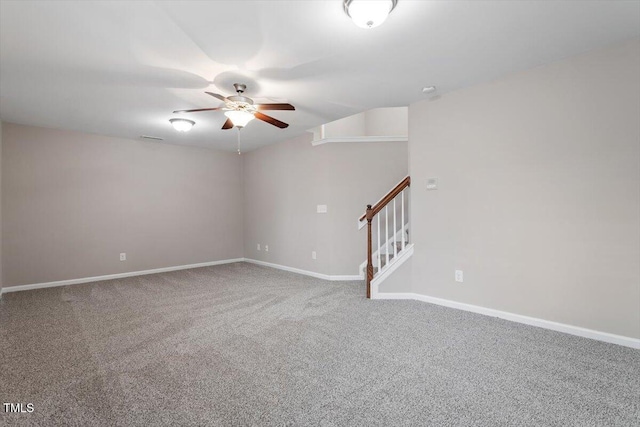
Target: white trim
<point>175,268</point>
<point>360,139</point>
<point>390,268</point>
<point>532,321</point>
<point>346,277</point>
<point>393,295</point>
<point>306,272</point>
<point>114,276</point>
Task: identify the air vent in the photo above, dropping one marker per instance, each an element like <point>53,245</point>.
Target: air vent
<point>154,138</point>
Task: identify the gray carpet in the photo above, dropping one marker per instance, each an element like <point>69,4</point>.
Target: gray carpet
<point>241,344</point>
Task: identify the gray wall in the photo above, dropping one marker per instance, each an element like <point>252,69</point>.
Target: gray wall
<point>1,281</point>
<point>539,199</point>
<point>285,182</point>
<point>391,121</point>
<point>72,202</point>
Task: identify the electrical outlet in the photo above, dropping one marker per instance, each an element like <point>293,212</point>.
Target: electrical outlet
<point>266,248</point>
<point>258,246</point>
<point>459,276</point>
<point>123,256</point>
<point>313,255</point>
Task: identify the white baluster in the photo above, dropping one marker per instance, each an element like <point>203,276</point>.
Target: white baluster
<point>402,233</point>
<point>395,229</point>
<point>379,266</point>
<point>386,234</point>
<point>408,232</point>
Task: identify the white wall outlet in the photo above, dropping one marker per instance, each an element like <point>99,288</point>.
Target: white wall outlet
<point>432,183</point>
<point>322,209</point>
<point>459,276</point>
<point>266,248</point>
<point>258,246</point>
<point>123,256</point>
<point>313,255</point>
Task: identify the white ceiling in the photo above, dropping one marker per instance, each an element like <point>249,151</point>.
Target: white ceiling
<point>120,68</point>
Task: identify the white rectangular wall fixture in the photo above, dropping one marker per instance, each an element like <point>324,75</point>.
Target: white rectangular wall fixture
<point>432,183</point>
<point>322,209</point>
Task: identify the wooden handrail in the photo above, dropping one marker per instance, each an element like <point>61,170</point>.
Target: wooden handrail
<point>371,212</point>
<point>387,198</point>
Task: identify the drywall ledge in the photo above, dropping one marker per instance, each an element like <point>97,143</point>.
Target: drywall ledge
<point>360,139</point>
<point>532,321</point>
<point>337,278</point>
<point>115,276</point>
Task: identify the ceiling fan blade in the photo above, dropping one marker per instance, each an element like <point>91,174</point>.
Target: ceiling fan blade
<point>194,111</point>
<point>276,107</point>
<point>270,120</point>
<point>217,95</point>
<point>228,124</point>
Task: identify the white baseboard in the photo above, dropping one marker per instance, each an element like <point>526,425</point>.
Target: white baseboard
<point>175,268</point>
<point>335,278</point>
<point>532,321</point>
<point>114,276</point>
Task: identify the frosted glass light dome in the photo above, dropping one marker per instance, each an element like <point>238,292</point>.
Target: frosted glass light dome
<point>369,13</point>
<point>239,118</point>
<point>182,125</point>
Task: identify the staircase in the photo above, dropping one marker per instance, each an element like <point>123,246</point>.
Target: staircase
<point>387,224</point>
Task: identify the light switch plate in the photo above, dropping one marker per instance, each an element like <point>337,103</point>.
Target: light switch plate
<point>432,183</point>
<point>322,209</point>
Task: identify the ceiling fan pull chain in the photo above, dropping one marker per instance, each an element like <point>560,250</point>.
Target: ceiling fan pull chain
<point>239,142</point>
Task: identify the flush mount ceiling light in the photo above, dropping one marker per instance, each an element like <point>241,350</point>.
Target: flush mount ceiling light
<point>182,125</point>
<point>369,13</point>
<point>239,118</point>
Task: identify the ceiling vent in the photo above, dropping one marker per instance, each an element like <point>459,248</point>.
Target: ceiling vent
<point>153,138</point>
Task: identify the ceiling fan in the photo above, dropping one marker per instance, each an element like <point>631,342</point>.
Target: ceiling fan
<point>241,109</point>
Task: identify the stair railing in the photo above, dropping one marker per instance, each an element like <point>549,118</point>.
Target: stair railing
<point>372,211</point>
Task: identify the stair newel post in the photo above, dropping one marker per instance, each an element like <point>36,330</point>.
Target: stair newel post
<point>369,251</point>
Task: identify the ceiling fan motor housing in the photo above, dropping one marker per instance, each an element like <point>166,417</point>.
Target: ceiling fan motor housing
<point>240,99</point>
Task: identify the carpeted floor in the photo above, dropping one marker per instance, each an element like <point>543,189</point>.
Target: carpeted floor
<point>241,344</point>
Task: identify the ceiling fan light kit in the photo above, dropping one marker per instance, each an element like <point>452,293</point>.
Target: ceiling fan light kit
<point>239,118</point>
<point>182,125</point>
<point>368,13</point>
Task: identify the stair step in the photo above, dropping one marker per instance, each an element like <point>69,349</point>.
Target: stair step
<point>383,261</point>
<point>383,258</point>
<point>399,245</point>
